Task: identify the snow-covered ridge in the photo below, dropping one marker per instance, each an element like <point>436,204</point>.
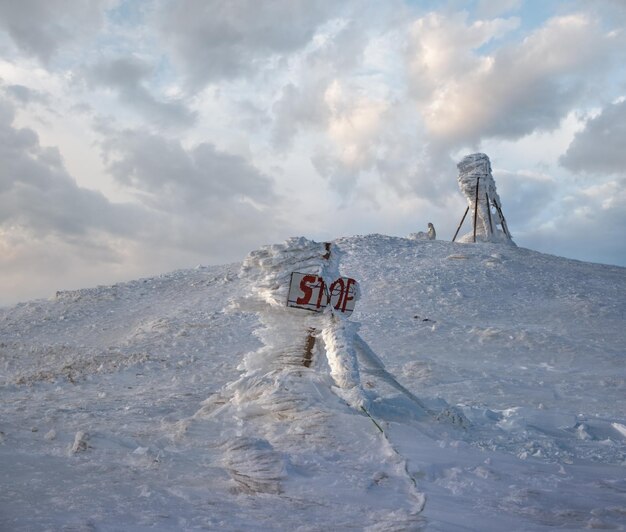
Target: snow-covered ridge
<point>123,407</point>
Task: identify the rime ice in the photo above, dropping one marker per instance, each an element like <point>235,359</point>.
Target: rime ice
<point>286,330</point>
<point>484,206</point>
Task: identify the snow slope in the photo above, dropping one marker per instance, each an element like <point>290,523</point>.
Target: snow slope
<point>158,405</point>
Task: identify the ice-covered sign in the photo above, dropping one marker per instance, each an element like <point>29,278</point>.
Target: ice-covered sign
<point>310,292</point>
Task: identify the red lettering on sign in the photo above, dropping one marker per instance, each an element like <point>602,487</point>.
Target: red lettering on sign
<point>346,296</point>
<point>306,289</point>
<point>341,290</point>
<point>322,293</point>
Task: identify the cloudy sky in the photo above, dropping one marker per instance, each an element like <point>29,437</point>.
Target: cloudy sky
<point>138,137</point>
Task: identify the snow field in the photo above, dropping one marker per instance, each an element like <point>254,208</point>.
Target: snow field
<point>183,402</point>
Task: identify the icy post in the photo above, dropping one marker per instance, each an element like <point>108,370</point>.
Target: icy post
<point>289,334</point>
<point>479,187</point>
<point>294,389</point>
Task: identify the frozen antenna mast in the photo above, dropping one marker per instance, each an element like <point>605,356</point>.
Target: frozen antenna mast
<point>478,186</point>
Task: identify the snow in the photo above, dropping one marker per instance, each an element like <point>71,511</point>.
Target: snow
<point>182,402</point>
<point>431,234</point>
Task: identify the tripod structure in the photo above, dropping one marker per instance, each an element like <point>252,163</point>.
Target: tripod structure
<point>479,187</point>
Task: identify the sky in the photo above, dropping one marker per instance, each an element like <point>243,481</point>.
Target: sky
<point>140,137</point>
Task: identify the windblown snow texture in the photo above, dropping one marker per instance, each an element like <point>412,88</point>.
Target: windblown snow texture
<point>191,401</point>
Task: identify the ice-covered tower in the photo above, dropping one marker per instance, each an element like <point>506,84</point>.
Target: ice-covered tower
<point>478,186</point>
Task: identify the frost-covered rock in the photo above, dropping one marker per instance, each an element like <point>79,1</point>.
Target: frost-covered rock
<point>80,444</point>
<point>431,234</point>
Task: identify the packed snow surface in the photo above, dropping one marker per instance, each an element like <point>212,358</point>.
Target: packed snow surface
<point>475,387</point>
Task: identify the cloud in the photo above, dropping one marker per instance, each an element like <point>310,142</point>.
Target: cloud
<point>366,106</point>
<point>160,166</point>
<point>599,147</point>
<point>612,11</point>
<point>128,77</point>
<point>297,108</point>
<point>525,196</point>
<point>354,125</point>
<point>53,233</point>
<point>494,8</point>
<point>520,88</point>
<point>358,127</point>
<point>304,104</point>
<point>211,40</point>
<point>375,144</point>
<point>25,95</point>
<point>358,133</point>
<point>201,196</point>
<point>37,193</point>
<point>466,89</point>
<point>192,205</point>
<point>441,51</point>
<point>39,28</point>
<point>589,225</point>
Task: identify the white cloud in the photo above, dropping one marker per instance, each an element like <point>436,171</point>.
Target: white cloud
<point>155,164</point>
<point>37,193</point>
<point>128,76</point>
<point>201,196</point>
<point>612,11</point>
<point>51,230</point>
<point>212,40</point>
<point>26,95</point>
<point>354,123</point>
<point>514,91</point>
<point>40,28</point>
<point>599,147</point>
<point>588,224</point>
<point>525,196</point>
<point>494,8</point>
<point>297,108</point>
<point>194,205</point>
